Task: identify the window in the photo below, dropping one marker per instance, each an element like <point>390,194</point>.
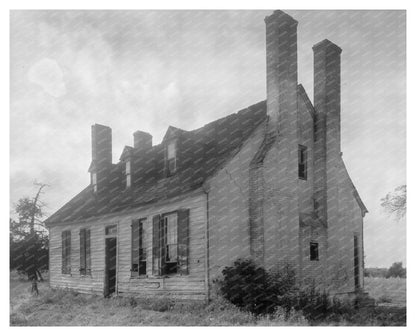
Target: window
<point>94,181</point>
<point>85,252</point>
<point>171,158</point>
<point>138,248</point>
<point>169,239</point>
<point>128,174</point>
<point>302,162</point>
<point>314,251</point>
<point>66,252</point>
<point>315,204</point>
<point>171,243</point>
<point>111,230</point>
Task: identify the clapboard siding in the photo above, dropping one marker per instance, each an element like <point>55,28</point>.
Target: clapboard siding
<point>178,285</point>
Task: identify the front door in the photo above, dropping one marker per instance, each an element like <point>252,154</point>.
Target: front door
<point>110,266</point>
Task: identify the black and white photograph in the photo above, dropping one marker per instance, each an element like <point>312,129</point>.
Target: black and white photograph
<point>207,167</point>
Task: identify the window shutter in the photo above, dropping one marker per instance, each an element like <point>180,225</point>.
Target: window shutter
<point>63,242</point>
<point>68,252</point>
<point>88,251</point>
<point>183,241</point>
<point>135,247</point>
<point>156,245</point>
<point>82,261</point>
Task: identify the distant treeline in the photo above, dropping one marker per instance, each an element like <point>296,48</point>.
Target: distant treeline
<point>375,272</point>
<point>395,271</point>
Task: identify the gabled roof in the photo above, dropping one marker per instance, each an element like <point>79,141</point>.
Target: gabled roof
<point>201,153</point>
<point>127,152</point>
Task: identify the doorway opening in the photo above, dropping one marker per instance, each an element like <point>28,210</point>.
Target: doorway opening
<point>356,264</point>
<point>110,266</point>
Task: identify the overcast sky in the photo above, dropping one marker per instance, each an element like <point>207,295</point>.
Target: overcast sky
<point>146,70</point>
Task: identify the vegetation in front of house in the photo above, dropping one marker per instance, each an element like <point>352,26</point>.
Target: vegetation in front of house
<point>55,307</point>
<point>262,292</point>
<point>68,308</point>
<point>387,291</point>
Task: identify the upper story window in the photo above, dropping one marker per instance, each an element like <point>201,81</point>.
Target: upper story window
<point>171,158</point>
<point>302,162</point>
<point>128,174</point>
<point>313,251</point>
<point>94,181</point>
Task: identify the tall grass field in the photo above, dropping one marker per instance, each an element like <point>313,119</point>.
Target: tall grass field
<point>67,308</point>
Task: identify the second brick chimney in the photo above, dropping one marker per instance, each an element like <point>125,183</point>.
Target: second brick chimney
<point>327,101</point>
<point>101,148</point>
<point>142,140</point>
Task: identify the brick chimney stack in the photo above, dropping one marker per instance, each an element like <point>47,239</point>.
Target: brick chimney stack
<point>142,140</point>
<point>327,147</point>
<point>101,145</point>
<point>282,69</point>
<point>280,200</point>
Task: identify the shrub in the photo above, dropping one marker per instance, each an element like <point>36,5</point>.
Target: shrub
<point>267,292</point>
<point>396,271</point>
<point>252,288</point>
<point>245,286</point>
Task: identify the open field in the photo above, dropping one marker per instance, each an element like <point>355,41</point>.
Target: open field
<point>390,291</point>
<point>66,308</point>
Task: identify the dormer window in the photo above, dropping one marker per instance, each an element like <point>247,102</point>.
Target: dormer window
<point>128,174</point>
<point>94,181</point>
<point>171,158</point>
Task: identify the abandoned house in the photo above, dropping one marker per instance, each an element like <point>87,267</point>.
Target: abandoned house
<point>267,183</point>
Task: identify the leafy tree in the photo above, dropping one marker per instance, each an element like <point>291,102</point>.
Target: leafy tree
<point>396,271</point>
<point>29,237</point>
<point>395,202</point>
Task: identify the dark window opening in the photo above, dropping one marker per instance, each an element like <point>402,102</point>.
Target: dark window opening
<point>315,204</point>
<point>302,162</point>
<point>314,251</point>
<point>66,252</point>
<point>85,252</point>
<point>138,249</point>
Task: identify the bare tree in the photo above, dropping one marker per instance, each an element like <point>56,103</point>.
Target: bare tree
<point>395,202</point>
<point>28,236</point>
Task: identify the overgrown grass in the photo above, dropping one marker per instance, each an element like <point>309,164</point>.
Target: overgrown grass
<point>67,308</point>
<point>387,291</point>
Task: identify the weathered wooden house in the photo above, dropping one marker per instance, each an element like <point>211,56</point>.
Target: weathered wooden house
<point>267,183</point>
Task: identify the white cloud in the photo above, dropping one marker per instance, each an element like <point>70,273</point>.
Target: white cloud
<point>49,76</point>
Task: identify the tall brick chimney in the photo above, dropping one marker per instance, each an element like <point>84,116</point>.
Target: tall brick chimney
<point>282,69</point>
<point>279,198</point>
<point>101,141</point>
<point>142,140</point>
<point>327,146</point>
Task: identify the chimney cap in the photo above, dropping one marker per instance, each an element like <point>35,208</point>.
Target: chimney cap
<point>101,126</point>
<point>280,16</point>
<point>326,44</point>
<point>142,133</point>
